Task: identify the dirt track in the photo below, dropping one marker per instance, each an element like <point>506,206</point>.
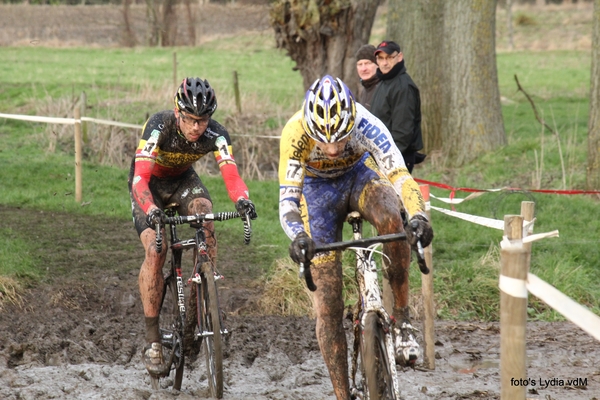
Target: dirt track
<point>79,335</point>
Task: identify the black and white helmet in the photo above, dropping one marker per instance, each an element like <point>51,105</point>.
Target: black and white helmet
<point>195,96</point>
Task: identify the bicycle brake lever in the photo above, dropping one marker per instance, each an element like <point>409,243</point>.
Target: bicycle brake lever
<point>421,258</point>
<point>159,240</point>
<point>305,272</point>
<point>247,228</point>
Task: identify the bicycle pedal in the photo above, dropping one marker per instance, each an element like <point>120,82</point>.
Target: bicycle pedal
<point>410,355</point>
<point>196,279</point>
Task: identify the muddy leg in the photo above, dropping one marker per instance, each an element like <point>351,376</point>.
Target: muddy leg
<point>204,206</point>
<point>329,307</point>
<point>379,204</point>
<point>150,282</point>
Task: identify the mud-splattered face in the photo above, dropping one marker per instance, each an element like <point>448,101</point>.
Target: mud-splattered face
<point>191,127</point>
<point>332,150</point>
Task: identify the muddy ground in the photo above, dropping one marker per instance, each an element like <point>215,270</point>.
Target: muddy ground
<point>79,333</point>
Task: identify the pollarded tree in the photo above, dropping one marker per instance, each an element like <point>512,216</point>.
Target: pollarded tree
<point>451,54</point>
<point>593,169</point>
<point>321,36</point>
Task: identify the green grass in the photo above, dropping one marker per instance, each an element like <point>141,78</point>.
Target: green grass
<point>138,81</point>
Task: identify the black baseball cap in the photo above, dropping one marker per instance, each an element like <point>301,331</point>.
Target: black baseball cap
<point>388,47</point>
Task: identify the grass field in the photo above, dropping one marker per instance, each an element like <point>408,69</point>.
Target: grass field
<point>126,85</point>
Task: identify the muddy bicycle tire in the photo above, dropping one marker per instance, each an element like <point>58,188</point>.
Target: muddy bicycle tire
<point>379,384</point>
<point>212,344</point>
<point>171,332</point>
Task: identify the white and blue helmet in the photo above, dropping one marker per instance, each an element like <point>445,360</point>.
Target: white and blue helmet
<point>329,110</point>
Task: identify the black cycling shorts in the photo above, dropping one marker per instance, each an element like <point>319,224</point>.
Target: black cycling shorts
<point>181,190</point>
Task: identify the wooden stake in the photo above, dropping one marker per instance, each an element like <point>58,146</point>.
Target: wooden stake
<point>513,313</point>
<point>428,303</point>
<point>78,155</point>
<point>236,90</point>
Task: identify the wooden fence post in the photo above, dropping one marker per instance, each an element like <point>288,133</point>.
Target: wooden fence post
<point>513,313</point>
<point>78,155</point>
<point>236,90</point>
<point>428,303</point>
<point>175,80</point>
<point>84,125</point>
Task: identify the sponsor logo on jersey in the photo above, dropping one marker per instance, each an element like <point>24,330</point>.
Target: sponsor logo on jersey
<point>373,133</point>
<point>300,146</point>
<point>210,134</point>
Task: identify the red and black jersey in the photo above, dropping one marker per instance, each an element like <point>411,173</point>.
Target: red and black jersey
<point>164,152</point>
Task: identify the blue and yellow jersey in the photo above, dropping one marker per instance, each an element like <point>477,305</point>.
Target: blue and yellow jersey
<point>299,157</point>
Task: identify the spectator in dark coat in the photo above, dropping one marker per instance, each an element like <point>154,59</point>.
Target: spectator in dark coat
<point>366,66</point>
<point>397,103</point>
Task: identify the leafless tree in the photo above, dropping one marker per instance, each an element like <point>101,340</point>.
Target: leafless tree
<point>322,36</point>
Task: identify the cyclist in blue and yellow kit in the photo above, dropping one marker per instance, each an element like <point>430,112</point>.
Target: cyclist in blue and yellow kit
<point>337,157</point>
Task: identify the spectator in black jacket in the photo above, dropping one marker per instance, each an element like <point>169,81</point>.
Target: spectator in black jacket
<point>397,102</point>
<point>366,67</point>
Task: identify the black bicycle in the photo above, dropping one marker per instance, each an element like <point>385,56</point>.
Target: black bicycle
<point>206,322</point>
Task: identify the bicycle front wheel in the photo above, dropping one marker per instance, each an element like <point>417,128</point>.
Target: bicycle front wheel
<point>212,343</point>
<point>378,371</point>
<point>171,331</point>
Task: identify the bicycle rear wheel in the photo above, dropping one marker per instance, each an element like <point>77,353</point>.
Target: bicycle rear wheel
<point>212,342</point>
<point>376,366</point>
<point>171,332</point>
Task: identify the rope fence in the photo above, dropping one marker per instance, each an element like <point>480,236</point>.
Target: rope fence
<point>515,283</point>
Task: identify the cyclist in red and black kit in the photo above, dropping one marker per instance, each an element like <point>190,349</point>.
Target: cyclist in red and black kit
<point>162,173</point>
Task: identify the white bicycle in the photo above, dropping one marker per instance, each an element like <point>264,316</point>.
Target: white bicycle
<point>373,374</point>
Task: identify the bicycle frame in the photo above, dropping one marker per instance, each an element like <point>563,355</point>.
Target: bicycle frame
<point>370,299</point>
<point>203,276</point>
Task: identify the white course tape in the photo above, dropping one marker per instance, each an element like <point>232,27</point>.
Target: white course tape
<point>513,287</point>
<point>107,122</point>
<point>516,244</point>
<point>489,222</point>
<point>539,236</point>
<point>447,200</point>
<point>52,120</point>
<point>72,121</point>
<point>573,311</point>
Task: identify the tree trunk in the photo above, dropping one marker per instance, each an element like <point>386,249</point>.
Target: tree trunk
<point>191,20</point>
<point>593,169</point>
<point>152,19</point>
<point>322,36</point>
<point>129,39</point>
<point>417,26</point>
<point>472,112</point>
<point>169,24</point>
